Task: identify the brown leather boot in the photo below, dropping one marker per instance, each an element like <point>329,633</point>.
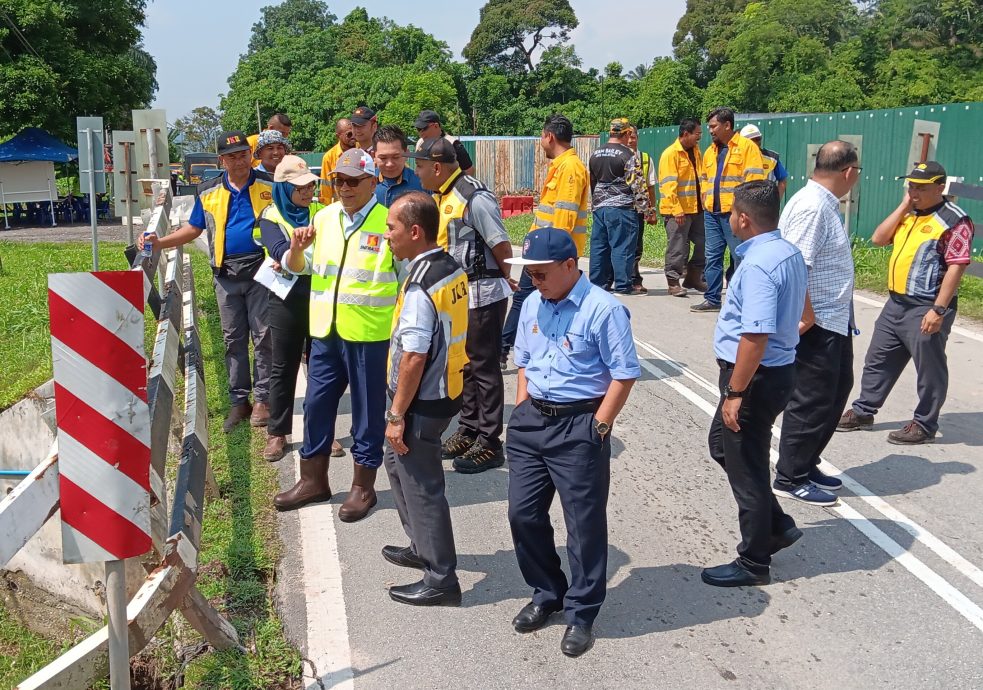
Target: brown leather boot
<point>675,289</point>
<point>312,487</point>
<point>694,279</point>
<point>260,415</point>
<point>275,448</point>
<point>238,413</point>
<point>362,496</point>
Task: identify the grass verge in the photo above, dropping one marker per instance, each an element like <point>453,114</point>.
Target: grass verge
<point>240,545</point>
<point>870,262</point>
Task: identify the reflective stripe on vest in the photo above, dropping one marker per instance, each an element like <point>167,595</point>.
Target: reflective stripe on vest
<point>743,163</point>
<point>353,286</point>
<point>443,375</point>
<point>916,267</point>
<point>215,199</point>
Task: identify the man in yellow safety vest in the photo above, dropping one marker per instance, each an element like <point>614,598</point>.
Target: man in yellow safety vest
<point>353,298</point>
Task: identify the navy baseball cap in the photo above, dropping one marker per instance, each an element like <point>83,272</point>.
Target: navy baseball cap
<point>544,246</point>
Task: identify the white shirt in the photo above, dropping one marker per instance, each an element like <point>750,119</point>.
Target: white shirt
<point>811,221</point>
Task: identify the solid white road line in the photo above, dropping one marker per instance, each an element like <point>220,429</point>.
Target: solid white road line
<point>966,333</point>
<point>922,535</point>
<point>328,647</point>
<point>952,596</point>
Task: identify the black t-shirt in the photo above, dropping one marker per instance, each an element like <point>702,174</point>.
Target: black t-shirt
<point>608,177</point>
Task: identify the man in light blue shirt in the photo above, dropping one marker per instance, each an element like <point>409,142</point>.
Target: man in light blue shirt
<point>577,364</point>
<point>754,341</point>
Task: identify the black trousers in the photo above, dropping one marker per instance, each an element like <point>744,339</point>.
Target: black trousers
<point>483,398</point>
<point>417,481</point>
<point>823,381</point>
<point>289,325</point>
<point>636,275</point>
<point>565,456</point>
<point>744,456</point>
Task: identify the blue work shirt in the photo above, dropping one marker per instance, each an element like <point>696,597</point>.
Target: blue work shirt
<point>388,190</point>
<point>572,349</point>
<point>240,221</point>
<point>766,296</point>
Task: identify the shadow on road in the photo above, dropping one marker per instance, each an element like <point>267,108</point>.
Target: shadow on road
<point>897,474</point>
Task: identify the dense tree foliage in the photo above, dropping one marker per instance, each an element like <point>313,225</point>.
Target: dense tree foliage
<point>520,66</point>
<point>72,57</point>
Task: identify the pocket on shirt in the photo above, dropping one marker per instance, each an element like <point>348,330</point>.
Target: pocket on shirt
<point>576,344</point>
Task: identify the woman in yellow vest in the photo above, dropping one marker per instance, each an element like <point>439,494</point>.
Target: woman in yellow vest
<point>287,317</point>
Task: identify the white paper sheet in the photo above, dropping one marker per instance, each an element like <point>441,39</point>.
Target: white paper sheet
<point>278,283</point>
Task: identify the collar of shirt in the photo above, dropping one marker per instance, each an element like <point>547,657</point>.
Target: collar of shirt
<point>450,182</point>
<point>352,223</point>
<point>559,160</point>
<point>555,317</point>
<point>419,257</point>
<point>746,245</point>
<point>229,187</point>
<point>821,190</point>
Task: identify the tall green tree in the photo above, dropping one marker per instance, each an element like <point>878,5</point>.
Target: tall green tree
<point>290,18</point>
<point>198,129</point>
<point>72,57</point>
<point>509,32</point>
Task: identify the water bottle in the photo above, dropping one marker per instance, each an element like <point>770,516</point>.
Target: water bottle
<point>148,249</point>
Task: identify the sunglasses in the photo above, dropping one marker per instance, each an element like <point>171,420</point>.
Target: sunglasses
<point>348,181</point>
<point>540,276</point>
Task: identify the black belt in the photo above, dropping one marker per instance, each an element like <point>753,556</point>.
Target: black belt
<point>725,365</point>
<point>548,409</point>
<point>475,274</point>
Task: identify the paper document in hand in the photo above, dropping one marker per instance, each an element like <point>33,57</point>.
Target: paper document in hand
<point>278,283</point>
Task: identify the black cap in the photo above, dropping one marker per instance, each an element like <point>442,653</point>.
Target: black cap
<point>930,172</point>
<point>361,115</point>
<point>426,118</point>
<point>437,149</point>
<point>232,142</point>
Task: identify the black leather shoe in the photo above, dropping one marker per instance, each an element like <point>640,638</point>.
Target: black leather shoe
<point>577,640</point>
<point>421,594</point>
<point>532,617</point>
<point>785,539</point>
<point>402,555</point>
<point>733,575</point>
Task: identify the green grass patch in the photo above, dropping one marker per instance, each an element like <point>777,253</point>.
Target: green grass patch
<point>240,544</point>
<point>25,342</point>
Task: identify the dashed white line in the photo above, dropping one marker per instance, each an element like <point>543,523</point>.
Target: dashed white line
<point>664,370</point>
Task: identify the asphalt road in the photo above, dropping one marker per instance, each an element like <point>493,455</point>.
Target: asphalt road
<point>884,590</point>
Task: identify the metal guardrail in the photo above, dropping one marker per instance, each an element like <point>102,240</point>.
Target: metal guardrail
<point>176,534</point>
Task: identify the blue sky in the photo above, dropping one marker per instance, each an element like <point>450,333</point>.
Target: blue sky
<point>197,43</point>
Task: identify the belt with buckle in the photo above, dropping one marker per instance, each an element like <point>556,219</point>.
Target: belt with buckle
<point>548,409</point>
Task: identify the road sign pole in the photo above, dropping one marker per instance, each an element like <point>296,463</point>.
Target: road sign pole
<point>127,172</point>
<point>119,643</point>
<point>93,210</point>
<point>152,152</point>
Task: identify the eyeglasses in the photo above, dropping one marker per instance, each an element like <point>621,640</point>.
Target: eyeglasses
<point>309,187</point>
<point>348,181</point>
<point>540,276</point>
<point>852,167</point>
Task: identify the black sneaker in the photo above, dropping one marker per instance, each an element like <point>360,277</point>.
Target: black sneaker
<point>911,435</point>
<point>705,306</point>
<point>456,445</point>
<point>478,459</point>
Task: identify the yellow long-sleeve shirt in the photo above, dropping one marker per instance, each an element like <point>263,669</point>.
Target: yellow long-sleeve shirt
<point>743,164</point>
<point>565,198</point>
<point>328,161</point>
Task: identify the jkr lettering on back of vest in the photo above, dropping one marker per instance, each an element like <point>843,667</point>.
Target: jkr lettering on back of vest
<point>353,281</point>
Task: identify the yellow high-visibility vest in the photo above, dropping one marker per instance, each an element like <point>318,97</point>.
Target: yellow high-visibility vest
<point>439,393</point>
<point>916,268</point>
<point>353,281</point>
<point>215,198</point>
<point>677,181</point>
<point>565,199</point>
<point>743,164</point>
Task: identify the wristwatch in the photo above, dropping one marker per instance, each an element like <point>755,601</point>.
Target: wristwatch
<point>393,418</point>
<point>602,428</point>
<point>939,309</point>
<point>730,393</point>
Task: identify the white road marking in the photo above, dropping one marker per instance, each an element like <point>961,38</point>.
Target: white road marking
<point>966,333</point>
<point>328,646</point>
<point>951,595</point>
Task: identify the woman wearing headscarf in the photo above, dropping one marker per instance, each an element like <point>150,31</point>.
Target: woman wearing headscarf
<point>293,207</point>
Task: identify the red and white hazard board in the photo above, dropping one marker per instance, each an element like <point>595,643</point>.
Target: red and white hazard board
<point>100,374</point>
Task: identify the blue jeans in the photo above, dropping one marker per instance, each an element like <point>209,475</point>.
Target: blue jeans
<point>718,238</point>
<point>612,247</point>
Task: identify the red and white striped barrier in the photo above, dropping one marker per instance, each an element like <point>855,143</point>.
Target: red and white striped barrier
<point>100,375</point>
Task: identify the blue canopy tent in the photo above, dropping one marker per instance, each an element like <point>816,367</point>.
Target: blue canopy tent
<point>27,171</point>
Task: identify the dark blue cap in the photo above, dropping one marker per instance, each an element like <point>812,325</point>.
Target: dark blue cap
<point>545,245</point>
